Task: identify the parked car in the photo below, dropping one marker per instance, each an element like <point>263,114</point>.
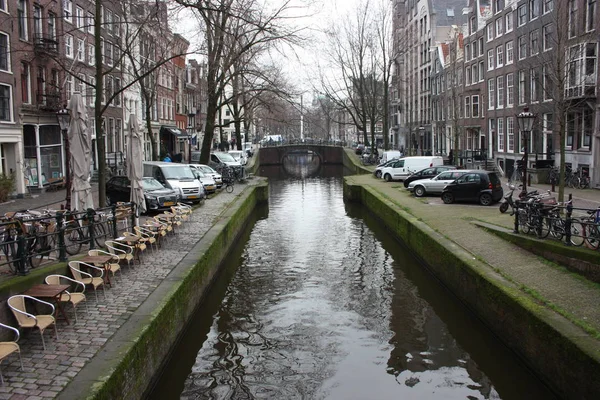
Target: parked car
<point>359,149</point>
<point>207,181</point>
<point>382,165</point>
<point>176,176</point>
<point>436,184</point>
<point>479,186</point>
<point>427,173</point>
<point>220,160</point>
<point>158,197</point>
<point>239,155</point>
<point>405,166</point>
<point>215,175</point>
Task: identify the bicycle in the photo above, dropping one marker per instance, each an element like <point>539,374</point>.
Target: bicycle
<point>591,229</point>
<point>77,231</point>
<point>228,177</point>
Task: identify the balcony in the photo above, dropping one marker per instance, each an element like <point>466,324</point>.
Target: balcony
<point>46,45</point>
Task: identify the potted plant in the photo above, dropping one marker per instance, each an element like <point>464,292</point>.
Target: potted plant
<point>7,185</point>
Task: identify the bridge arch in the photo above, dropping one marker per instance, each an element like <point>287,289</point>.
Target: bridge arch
<point>274,155</point>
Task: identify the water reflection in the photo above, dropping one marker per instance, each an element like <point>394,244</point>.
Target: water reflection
<point>322,303</point>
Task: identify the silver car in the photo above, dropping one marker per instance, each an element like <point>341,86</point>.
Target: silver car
<point>436,184</point>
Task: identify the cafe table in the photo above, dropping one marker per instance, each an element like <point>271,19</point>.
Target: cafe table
<point>50,293</point>
<point>100,261</point>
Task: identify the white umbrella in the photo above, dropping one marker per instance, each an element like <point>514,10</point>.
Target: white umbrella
<point>80,144</point>
<point>135,170</point>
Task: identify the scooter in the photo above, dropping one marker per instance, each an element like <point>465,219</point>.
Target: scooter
<point>508,201</point>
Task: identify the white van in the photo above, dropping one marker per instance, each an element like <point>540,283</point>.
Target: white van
<point>389,155</point>
<point>405,166</point>
<point>178,177</point>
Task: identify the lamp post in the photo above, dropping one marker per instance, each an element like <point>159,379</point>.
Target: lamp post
<point>525,120</point>
<point>190,128</point>
<point>64,118</point>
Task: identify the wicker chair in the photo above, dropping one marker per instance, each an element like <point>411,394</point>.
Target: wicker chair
<point>148,235</point>
<point>113,267</point>
<point>7,348</point>
<point>87,278</point>
<point>28,320</point>
<point>69,297</point>
<point>121,250</point>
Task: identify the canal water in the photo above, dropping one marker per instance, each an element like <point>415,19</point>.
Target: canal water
<point>317,301</point>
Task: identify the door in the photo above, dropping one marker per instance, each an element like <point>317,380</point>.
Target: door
<point>397,170</point>
<point>468,187</point>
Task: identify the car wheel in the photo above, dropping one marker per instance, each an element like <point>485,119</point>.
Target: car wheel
<point>419,191</point>
<point>448,198</point>
<point>485,199</point>
<point>387,177</point>
<point>378,174</point>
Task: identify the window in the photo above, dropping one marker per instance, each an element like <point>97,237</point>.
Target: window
<point>79,83</point>
<point>572,18</point>
<point>25,83</point>
<point>547,37</point>
<point>522,47</point>
<point>52,26</point>
<point>522,85</point>
<point>590,15</point>
<point>92,54</point>
<point>509,22</point>
<point>467,107</point>
<point>548,85</point>
<point>500,91</point>
<point>472,25</point>
<point>491,86</point>
<point>534,9</point>
<point>5,103</point>
<point>81,50</point>
<point>510,90</point>
<point>22,19</point>
<point>510,134</point>
<point>481,68</point>
<point>117,100</point>
<point>509,52</point>
<point>467,52</point>
<point>480,46</point>
<point>548,6</point>
<point>497,6</point>
<point>117,26</point>
<point>90,22</point>
<point>490,32</point>
<point>468,76</point>
<point>69,85</point>
<point>475,105</point>
<point>108,56</point>
<point>4,5</point>
<point>490,60</point>
<point>37,23</point>
<point>499,27</point>
<point>4,52</point>
<point>522,15</point>
<point>534,79</point>
<point>79,18</point>
<point>475,74</point>
<point>474,47</point>
<point>69,46</point>
<point>499,56</point>
<point>534,41</point>
<point>68,10</point>
<point>500,123</point>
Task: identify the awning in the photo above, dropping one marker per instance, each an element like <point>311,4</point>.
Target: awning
<point>173,130</point>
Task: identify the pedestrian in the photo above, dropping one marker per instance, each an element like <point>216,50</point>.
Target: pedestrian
<point>167,158</point>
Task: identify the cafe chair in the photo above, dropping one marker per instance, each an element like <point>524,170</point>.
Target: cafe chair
<point>87,278</point>
<point>148,235</point>
<point>120,250</point>
<point>161,227</point>
<point>162,219</point>
<point>113,267</point>
<point>28,320</point>
<point>74,297</point>
<point>183,212</point>
<point>7,348</point>
<point>136,241</point>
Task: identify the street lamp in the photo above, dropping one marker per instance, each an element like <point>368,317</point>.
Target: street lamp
<point>525,120</point>
<point>190,128</point>
<point>64,118</point>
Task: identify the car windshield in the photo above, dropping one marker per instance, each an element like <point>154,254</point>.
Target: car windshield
<point>178,172</point>
<point>225,157</point>
<point>151,184</point>
<point>236,154</point>
<point>207,169</point>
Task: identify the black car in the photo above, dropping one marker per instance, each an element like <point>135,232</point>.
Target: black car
<point>483,187</point>
<point>427,173</point>
<point>158,197</point>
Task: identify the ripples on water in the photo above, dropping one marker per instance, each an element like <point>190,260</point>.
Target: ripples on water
<point>319,309</point>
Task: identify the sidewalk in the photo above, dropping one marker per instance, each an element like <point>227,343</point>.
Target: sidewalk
<point>51,200</point>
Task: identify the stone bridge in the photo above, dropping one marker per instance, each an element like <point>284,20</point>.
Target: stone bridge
<point>274,155</point>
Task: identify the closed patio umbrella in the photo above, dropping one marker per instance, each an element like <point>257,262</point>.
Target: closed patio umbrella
<point>135,170</point>
<point>80,143</point>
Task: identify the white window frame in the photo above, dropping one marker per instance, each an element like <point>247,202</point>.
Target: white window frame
<point>491,87</point>
<point>8,60</point>
<point>500,91</point>
<point>534,35</point>
<point>500,131</point>
<point>522,87</point>
<point>90,22</point>
<point>548,6</point>
<point>499,27</point>
<point>69,52</point>
<point>79,18</point>
<point>467,106</point>
<point>69,86</point>
<point>510,134</point>
<point>510,90</point>
<point>534,5</point>
<point>491,59</point>
<point>481,47</point>
<point>547,37</point>
<point>11,101</point>
<point>522,15</point>
<point>509,52</point>
<point>92,54</point>
<point>24,35</point>
<point>590,15</point>
<point>81,50</point>
<point>522,39</point>
<point>68,11</point>
<point>499,56</point>
<point>490,32</point>
<point>475,106</point>
<point>4,6</point>
<point>509,22</point>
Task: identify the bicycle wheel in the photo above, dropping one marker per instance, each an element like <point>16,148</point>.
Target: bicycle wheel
<point>543,229</point>
<point>229,188</point>
<point>557,227</point>
<point>577,233</point>
<point>592,236</point>
<point>73,238</point>
<point>10,250</point>
<point>523,221</point>
<point>99,234</point>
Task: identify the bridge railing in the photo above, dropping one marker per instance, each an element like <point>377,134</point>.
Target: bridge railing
<point>317,142</point>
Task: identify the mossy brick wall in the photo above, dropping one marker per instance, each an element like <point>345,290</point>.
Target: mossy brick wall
<point>141,360</point>
<point>561,354</point>
<point>347,159</point>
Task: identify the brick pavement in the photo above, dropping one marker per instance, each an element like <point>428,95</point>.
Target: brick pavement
<point>46,373</point>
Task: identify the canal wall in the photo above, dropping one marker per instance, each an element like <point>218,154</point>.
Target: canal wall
<point>351,162</point>
<point>559,352</point>
<point>148,337</point>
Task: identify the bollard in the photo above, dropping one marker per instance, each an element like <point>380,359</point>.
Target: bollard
<point>516,211</point>
<point>89,214</point>
<point>62,248</point>
<point>115,232</point>
<point>568,221</point>
<point>21,255</point>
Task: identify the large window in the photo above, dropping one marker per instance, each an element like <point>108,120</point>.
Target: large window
<point>509,52</point>
<point>5,103</point>
<point>81,50</point>
<point>510,134</point>
<point>534,80</point>
<point>500,91</point>
<point>90,22</point>
<point>522,14</point>
<point>26,82</point>
<point>491,93</point>
<point>467,106</point>
<point>475,105</point>
<point>572,18</point>
<point>548,6</point>
<point>509,22</point>
<point>490,60</point>
<point>500,56</point>
<point>522,47</point>
<point>510,90</point>
<point>534,45</point>
<point>522,86</point>
<point>499,27</point>
<point>500,123</point>
<point>534,9</point>
<point>79,18</point>
<point>490,32</point>
<point>69,46</point>
<point>548,84</point>
<point>37,23</point>
<point>68,10</point>
<point>4,5</point>
<point>590,15</point>
<point>22,19</point>
<point>92,54</point>
<point>52,26</point>
<point>4,52</point>
<point>547,37</point>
